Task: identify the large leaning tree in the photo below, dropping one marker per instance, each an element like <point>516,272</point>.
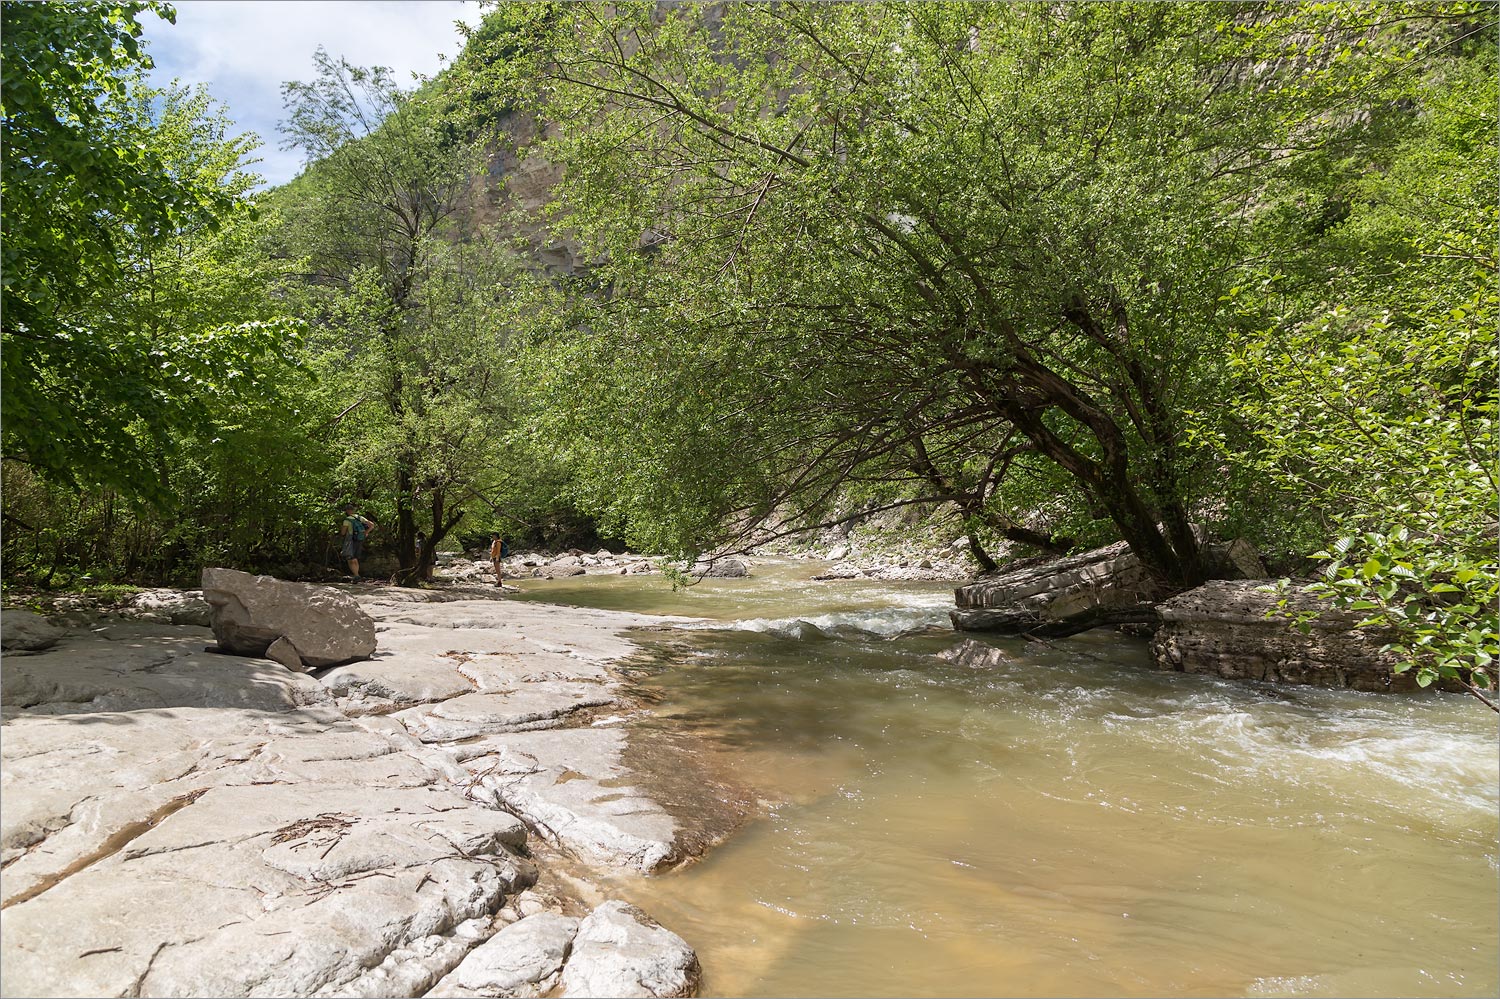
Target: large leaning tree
<point>986,247</point>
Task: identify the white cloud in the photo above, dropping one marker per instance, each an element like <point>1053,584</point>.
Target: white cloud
<point>243,50</point>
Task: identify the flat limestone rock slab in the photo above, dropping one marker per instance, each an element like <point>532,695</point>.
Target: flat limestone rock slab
<point>179,822</point>
<point>129,666</point>
<point>573,785</point>
<point>399,677</point>
<point>1242,629</point>
<point>530,706</point>
<point>276,889</point>
<point>594,634</point>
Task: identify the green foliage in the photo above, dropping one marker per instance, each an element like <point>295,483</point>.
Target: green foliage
<point>898,247</point>
<point>115,338</point>
<point>409,339</point>
<point>1371,400</point>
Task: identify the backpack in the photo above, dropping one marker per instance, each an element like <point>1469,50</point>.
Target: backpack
<point>357,528</point>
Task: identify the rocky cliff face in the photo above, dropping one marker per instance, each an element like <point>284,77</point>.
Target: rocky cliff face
<point>516,186</point>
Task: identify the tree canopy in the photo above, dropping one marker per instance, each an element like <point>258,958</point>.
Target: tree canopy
<point>114,338</point>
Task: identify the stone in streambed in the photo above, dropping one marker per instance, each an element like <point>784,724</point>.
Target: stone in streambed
<point>1242,630</point>
<point>620,951</point>
<point>1060,596</point>
<point>558,571</point>
<point>975,655</point>
<point>323,626</point>
<point>723,568</point>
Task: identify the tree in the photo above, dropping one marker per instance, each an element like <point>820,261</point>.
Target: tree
<point>104,180</point>
<point>403,313</point>
<point>1371,397</point>
<point>899,238</point>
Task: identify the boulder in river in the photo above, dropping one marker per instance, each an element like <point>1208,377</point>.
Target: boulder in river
<point>558,571</point>
<point>723,568</point>
<point>1062,596</point>
<point>976,655</point>
<point>1239,629</point>
<point>1106,586</point>
<point>322,626</point>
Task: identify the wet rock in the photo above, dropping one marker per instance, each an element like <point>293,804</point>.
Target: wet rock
<point>25,631</point>
<point>976,655</point>
<point>1239,630</point>
<point>620,951</point>
<point>1062,596</point>
<point>724,568</point>
<point>323,626</point>
<point>573,785</point>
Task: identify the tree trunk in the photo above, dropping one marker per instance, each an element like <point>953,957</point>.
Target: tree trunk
<point>406,525</point>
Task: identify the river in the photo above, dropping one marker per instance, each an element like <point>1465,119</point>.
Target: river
<point>1072,822</point>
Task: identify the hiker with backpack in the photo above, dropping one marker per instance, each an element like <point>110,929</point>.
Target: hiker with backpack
<point>354,531</point>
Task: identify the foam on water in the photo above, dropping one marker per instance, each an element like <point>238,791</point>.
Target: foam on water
<point>906,612</point>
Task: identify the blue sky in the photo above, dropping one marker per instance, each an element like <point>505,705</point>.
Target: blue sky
<point>243,50</point>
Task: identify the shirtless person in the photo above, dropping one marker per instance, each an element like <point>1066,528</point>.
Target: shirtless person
<point>497,553</point>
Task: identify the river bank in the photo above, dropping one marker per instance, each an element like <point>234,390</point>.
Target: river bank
<point>178,822</point>
<point>1048,818</point>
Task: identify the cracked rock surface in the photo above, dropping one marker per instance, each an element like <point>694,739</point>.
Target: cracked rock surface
<point>179,822</point>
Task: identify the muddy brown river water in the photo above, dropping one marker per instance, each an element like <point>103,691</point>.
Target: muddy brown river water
<point>1070,823</point>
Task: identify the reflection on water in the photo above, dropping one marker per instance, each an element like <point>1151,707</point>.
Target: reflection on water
<point>1069,823</point>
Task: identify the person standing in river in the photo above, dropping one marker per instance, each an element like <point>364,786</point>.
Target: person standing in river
<point>354,530</point>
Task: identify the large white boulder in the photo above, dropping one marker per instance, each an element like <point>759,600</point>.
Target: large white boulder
<point>322,626</point>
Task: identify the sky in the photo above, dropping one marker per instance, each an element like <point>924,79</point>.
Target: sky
<point>243,50</point>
